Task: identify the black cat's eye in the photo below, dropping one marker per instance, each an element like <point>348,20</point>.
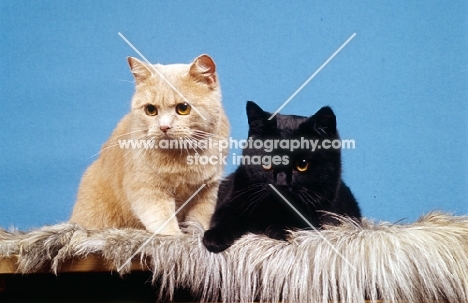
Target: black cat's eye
<point>151,110</point>
<point>302,165</point>
<point>183,108</point>
<point>267,166</point>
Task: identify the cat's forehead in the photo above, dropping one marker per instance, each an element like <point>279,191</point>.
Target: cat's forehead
<point>289,122</point>
<point>172,69</point>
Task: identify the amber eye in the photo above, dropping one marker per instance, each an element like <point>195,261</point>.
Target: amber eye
<point>183,108</point>
<point>151,110</point>
<point>267,166</point>
<point>302,165</point>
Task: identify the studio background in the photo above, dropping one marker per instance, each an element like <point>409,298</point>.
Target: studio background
<point>399,89</point>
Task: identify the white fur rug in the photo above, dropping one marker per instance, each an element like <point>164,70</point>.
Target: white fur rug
<point>426,261</point>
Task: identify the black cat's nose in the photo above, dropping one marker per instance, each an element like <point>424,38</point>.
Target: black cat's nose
<point>281,179</point>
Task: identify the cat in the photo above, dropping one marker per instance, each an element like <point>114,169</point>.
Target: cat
<point>143,187</point>
<point>309,180</point>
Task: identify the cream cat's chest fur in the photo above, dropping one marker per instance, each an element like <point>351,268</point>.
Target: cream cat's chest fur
<point>143,187</point>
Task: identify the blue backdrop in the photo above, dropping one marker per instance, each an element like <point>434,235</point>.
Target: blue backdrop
<point>399,89</point>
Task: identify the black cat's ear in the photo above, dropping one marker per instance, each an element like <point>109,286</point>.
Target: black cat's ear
<point>323,122</point>
<point>258,119</point>
<point>254,113</point>
<point>203,69</point>
<point>139,69</point>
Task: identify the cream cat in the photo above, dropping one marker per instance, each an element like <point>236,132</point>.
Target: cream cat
<point>142,188</point>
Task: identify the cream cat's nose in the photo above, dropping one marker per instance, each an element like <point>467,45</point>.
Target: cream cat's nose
<point>164,128</point>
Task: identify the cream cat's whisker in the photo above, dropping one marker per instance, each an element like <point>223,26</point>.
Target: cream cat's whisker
<point>139,155</point>
<point>200,148</point>
<point>201,135</point>
<point>132,132</point>
<point>123,80</point>
<point>208,134</point>
<point>118,143</point>
<point>205,143</point>
<point>186,150</point>
<point>130,157</point>
<point>189,141</point>
<point>129,154</point>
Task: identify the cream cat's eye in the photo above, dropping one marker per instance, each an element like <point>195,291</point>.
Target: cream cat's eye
<point>302,165</point>
<point>183,108</point>
<point>151,110</point>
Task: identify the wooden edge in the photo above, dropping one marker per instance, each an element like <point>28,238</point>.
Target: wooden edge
<point>92,263</point>
<point>8,265</point>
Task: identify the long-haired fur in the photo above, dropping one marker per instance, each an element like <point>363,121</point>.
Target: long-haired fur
<point>426,261</point>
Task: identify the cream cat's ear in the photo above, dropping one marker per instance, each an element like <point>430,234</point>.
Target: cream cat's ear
<point>203,69</point>
<point>139,70</point>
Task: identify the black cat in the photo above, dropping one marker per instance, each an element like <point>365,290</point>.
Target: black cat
<point>309,180</point>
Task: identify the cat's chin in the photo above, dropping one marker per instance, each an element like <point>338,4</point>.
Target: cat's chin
<point>283,189</point>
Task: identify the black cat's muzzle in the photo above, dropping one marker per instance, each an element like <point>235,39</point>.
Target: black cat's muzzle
<point>281,178</point>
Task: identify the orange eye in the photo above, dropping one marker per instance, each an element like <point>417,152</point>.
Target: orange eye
<point>267,166</point>
<point>183,108</point>
<point>302,165</point>
<point>151,110</point>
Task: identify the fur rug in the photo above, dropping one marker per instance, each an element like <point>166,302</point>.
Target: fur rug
<point>426,261</point>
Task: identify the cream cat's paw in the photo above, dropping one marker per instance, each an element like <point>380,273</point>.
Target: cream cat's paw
<point>168,230</point>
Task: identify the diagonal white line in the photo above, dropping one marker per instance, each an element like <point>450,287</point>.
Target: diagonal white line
<point>313,227</point>
<point>311,77</point>
<point>160,228</point>
<point>161,75</point>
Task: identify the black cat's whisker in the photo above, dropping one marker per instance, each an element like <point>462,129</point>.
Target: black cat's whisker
<point>254,201</point>
<point>317,201</point>
<point>308,200</point>
<point>258,195</point>
<point>245,190</point>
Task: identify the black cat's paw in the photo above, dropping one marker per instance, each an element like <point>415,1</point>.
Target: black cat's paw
<point>276,232</point>
<point>216,240</point>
